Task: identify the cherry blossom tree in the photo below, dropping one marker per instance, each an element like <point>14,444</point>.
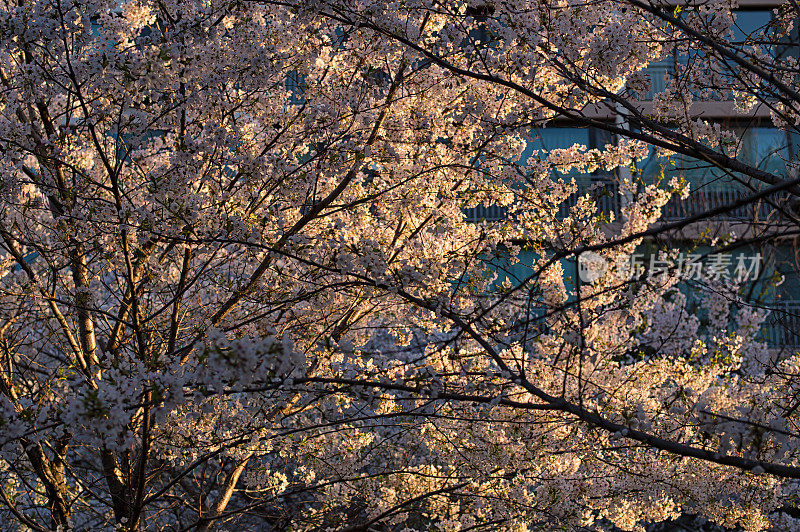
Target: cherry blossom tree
<point>239,288</point>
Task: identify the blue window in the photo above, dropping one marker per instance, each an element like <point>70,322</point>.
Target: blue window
<point>747,29</point>
<point>551,138</point>
<point>766,148</point>
<point>749,23</point>
<point>295,84</point>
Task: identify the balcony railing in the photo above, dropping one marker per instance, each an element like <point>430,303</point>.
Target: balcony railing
<point>609,201</point>
<point>782,327</point>
<point>482,213</point>
<point>703,200</point>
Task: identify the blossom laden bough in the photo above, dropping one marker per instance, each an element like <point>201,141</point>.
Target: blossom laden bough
<point>239,288</point>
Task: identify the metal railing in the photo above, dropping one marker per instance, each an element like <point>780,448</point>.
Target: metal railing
<point>607,199</point>
<point>482,213</point>
<point>702,200</point>
<point>782,326</point>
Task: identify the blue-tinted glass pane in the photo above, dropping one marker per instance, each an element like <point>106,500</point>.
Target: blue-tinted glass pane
<point>654,168</point>
<point>794,145</point>
<point>599,138</point>
<point>699,174</point>
<point>658,72</point>
<point>524,268</point>
<point>295,85</point>
<point>561,137</point>
<point>749,22</point>
<point>551,138</point>
<point>765,148</point>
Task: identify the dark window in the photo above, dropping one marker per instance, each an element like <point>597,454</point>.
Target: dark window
<point>550,138</point>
